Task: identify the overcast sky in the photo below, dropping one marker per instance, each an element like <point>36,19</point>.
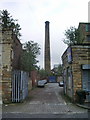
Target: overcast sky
<point>61,14</point>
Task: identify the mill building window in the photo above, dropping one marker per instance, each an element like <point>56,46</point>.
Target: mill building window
<point>87,27</point>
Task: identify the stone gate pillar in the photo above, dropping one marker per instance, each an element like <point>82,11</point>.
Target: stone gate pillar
<point>6,68</point>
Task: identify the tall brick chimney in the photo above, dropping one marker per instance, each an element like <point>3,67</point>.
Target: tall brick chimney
<point>47,60</point>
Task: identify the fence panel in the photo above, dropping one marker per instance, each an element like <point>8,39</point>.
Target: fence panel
<point>24,78</point>
<point>19,85</point>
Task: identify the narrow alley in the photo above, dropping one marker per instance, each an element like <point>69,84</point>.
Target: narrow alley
<point>44,102</point>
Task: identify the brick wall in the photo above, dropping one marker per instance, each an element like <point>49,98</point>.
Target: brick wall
<point>29,84</point>
<point>34,78</point>
<point>16,53</point>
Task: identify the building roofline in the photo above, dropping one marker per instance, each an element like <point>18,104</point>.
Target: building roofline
<point>84,22</point>
<point>83,44</point>
<point>80,23</point>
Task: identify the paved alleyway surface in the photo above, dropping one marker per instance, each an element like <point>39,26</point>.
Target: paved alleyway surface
<point>44,102</point>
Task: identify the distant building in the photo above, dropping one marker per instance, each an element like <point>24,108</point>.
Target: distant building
<point>76,64</point>
<point>56,65</point>
<point>55,69</point>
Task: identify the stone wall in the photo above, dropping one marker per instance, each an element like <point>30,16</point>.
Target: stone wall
<point>80,55</point>
<point>6,65</point>
<point>66,67</point>
<point>10,50</point>
<point>84,32</point>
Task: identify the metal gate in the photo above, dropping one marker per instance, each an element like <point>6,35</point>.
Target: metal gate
<point>52,79</point>
<point>19,85</point>
<point>24,84</point>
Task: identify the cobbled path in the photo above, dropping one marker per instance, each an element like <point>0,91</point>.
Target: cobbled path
<point>47,100</point>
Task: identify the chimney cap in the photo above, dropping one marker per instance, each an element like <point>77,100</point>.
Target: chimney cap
<point>47,22</point>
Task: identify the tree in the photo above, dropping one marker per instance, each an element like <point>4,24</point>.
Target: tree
<point>9,22</point>
<point>29,56</point>
<point>43,74</point>
<point>72,36</point>
<point>57,70</point>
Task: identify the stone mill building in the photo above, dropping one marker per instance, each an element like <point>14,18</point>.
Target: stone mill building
<point>76,64</point>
